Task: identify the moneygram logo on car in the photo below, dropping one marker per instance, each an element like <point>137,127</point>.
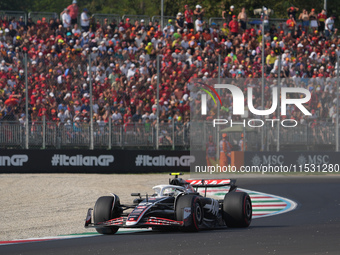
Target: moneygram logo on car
<point>239,108</point>
<point>80,160</point>
<point>162,160</point>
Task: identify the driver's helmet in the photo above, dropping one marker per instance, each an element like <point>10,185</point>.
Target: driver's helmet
<point>169,192</point>
<point>178,182</point>
<point>183,183</point>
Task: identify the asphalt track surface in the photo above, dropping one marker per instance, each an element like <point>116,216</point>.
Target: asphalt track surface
<point>312,228</point>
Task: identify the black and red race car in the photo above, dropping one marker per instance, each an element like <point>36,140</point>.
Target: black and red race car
<point>177,205</point>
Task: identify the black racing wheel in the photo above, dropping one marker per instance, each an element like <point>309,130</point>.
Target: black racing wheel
<point>106,208</point>
<point>189,209</point>
<point>237,210</point>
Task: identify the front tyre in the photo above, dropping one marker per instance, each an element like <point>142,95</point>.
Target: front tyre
<point>189,210</point>
<point>237,210</point>
<point>106,208</point>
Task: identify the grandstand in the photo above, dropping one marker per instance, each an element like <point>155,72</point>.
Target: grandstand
<point>114,63</point>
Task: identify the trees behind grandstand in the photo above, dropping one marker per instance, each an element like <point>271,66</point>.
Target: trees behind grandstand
<point>213,8</point>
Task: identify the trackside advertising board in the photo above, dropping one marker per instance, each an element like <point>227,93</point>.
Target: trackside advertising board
<point>136,161</point>
<point>290,158</point>
<point>96,161</point>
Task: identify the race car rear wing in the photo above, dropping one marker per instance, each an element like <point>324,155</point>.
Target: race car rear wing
<point>211,183</point>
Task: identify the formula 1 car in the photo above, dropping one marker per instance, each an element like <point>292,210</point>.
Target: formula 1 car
<point>177,205</point>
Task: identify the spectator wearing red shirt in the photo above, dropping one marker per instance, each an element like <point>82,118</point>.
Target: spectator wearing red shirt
<point>5,22</point>
<point>233,25</point>
<point>321,21</point>
<point>44,23</point>
<point>73,8</point>
<point>245,36</point>
<point>188,14</point>
<point>127,116</point>
<point>43,112</point>
<point>76,93</point>
<point>34,97</point>
<point>206,35</point>
<point>129,126</point>
<point>291,23</point>
<point>127,24</point>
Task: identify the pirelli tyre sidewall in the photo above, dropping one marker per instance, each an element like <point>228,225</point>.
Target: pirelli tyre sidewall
<point>237,210</point>
<point>106,208</point>
<point>192,221</point>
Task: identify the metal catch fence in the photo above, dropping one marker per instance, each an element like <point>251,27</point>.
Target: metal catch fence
<point>35,16</point>
<point>55,135</point>
<point>165,19</point>
<point>51,135</point>
<point>134,18</point>
<point>110,17</point>
<point>13,14</point>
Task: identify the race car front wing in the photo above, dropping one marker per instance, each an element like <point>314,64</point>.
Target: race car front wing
<point>121,222</point>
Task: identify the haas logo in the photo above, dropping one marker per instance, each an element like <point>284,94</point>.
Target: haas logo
<point>213,207</point>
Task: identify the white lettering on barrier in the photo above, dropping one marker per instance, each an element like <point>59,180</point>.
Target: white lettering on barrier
<point>14,160</point>
<point>80,160</point>
<point>162,160</point>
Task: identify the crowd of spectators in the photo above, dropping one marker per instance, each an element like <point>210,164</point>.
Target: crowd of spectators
<point>123,64</point>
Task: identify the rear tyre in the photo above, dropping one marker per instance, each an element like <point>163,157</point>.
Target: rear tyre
<point>194,217</point>
<point>237,210</point>
<point>106,208</point>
